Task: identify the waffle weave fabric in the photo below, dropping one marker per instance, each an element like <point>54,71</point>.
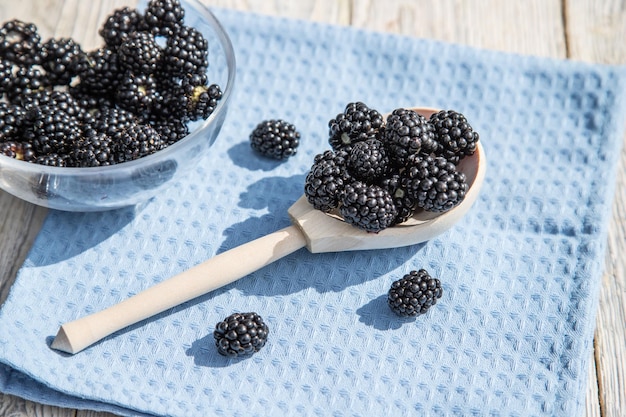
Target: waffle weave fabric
<point>512,334</point>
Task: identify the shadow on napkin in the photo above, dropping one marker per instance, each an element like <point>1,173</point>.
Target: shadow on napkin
<point>80,232</point>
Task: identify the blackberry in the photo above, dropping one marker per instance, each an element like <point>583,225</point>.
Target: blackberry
<point>186,52</point>
<point>171,129</point>
<point>51,131</point>
<point>240,334</point>
<point>139,53</point>
<point>357,123</point>
<point>137,93</point>
<point>405,206</point>
<point>61,59</point>
<point>20,42</point>
<point>61,101</point>
<point>325,181</point>
<point>18,150</point>
<point>119,25</point>
<point>276,139</point>
<point>414,293</point>
<point>434,183</point>
<point>203,101</point>
<point>26,80</point>
<point>112,121</point>
<point>454,135</point>
<point>368,207</point>
<point>92,150</point>
<point>164,17</point>
<point>406,133</point>
<point>11,120</point>
<point>100,73</point>
<point>137,141</point>
<point>368,160</point>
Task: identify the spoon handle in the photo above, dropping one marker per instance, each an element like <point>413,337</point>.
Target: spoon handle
<point>214,273</point>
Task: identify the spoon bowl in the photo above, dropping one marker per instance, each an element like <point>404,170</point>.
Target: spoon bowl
<point>311,228</point>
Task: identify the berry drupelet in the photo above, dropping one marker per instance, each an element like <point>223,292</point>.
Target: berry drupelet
<point>414,293</point>
<point>240,334</point>
<point>454,135</point>
<point>324,184</point>
<point>433,183</point>
<point>407,132</point>
<point>367,206</point>
<point>357,123</point>
<point>275,139</point>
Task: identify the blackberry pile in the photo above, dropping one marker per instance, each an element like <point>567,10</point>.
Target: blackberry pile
<point>136,94</point>
<point>240,334</point>
<point>379,172</point>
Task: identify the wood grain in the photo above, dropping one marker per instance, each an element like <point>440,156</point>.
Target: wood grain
<point>587,30</point>
<point>596,31</point>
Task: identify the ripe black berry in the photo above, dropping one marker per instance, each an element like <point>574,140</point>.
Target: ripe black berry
<point>137,141</point>
<point>119,25</point>
<point>61,58</point>
<point>137,93</point>
<point>434,183</point>
<point>164,17</point>
<point>100,73</point>
<point>368,207</point>
<point>139,53</point>
<point>414,293</point>
<point>357,123</point>
<point>275,138</point>
<point>20,42</point>
<point>186,52</point>
<point>92,150</point>
<point>324,184</point>
<point>405,205</point>
<point>368,160</point>
<point>406,133</point>
<point>240,334</point>
<point>454,135</point>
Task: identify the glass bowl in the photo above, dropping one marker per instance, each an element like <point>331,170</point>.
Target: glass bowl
<point>133,182</point>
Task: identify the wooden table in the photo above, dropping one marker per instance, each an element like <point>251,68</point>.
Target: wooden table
<point>586,30</point>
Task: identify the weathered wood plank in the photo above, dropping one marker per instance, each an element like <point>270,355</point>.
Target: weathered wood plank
<point>528,27</point>
<point>595,33</point>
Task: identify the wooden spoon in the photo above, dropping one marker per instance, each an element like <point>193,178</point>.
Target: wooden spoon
<point>311,228</point>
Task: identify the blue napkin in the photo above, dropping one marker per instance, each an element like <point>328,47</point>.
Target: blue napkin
<point>512,334</point>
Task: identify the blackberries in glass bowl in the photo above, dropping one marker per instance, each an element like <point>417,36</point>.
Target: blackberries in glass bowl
<point>84,125</point>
